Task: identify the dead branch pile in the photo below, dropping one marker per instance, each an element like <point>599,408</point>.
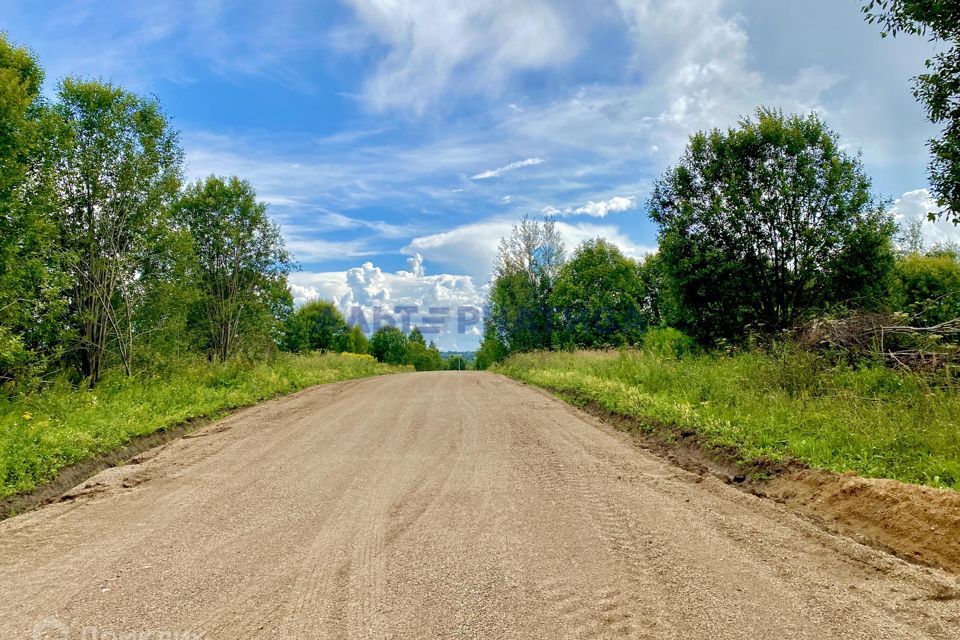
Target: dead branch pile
<point>891,336</point>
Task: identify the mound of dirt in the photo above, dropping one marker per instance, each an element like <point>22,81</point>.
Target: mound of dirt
<point>917,523</point>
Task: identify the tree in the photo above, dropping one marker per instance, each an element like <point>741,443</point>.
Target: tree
<point>354,341</point>
<point>241,264</point>
<point>457,362</point>
<point>117,171</point>
<point>938,89</point>
<point>422,356</point>
<point>598,298</point>
<point>528,262</point>
<point>764,223</point>
<point>31,266</point>
<point>169,296</point>
<point>491,350</point>
<point>659,309</point>
<point>389,345</point>
<point>416,337</point>
<point>316,326</point>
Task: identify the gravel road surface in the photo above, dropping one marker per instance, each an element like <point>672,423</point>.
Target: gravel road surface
<point>439,505</point>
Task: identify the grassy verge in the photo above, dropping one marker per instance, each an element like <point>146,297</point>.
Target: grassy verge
<point>873,421</point>
<point>45,432</point>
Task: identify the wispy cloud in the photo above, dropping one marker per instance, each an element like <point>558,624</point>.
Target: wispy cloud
<point>436,47</point>
<point>513,166</point>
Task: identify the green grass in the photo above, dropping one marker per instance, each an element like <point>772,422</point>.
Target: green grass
<point>45,432</point>
<point>873,421</point>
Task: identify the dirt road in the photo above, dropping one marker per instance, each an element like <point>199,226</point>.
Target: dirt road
<point>445,505</point>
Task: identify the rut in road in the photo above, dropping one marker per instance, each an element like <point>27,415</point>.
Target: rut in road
<point>441,505</point>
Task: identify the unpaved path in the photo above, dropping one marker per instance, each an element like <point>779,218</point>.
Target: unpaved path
<point>445,505</point>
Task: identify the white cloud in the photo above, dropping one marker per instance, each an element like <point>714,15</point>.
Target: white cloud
<point>470,247</point>
<point>598,209</point>
<point>574,234</point>
<point>473,247</point>
<point>499,171</point>
<point>914,206</point>
<point>415,263</point>
<point>437,47</point>
<point>369,292</point>
<point>603,207</point>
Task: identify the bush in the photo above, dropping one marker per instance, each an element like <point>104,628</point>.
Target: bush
<point>667,341</point>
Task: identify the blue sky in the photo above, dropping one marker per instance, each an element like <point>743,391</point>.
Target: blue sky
<point>396,141</point>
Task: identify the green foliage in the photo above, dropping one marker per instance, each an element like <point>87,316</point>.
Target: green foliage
<point>939,88</point>
<point>388,344</point>
<point>599,299</point>
<point>423,357</point>
<point>777,405</point>
<point>354,341</point>
<point>240,262</point>
<point>169,295</point>
<point>31,266</point>
<point>929,287</point>
<point>668,342</point>
<point>416,337</point>
<point>491,350</point>
<point>316,326</point>
<point>117,171</point>
<point>457,363</point>
<point>528,263</point>
<point>658,306</point>
<point>764,223</point>
<point>42,433</point>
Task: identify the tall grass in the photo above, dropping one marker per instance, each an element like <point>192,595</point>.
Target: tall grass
<point>777,405</point>
<point>42,433</point>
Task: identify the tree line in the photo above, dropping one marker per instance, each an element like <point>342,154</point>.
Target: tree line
<point>106,257</point>
<point>762,228</point>
<point>319,326</point>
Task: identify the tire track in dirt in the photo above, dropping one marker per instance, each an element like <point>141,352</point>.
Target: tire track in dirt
<point>455,505</point>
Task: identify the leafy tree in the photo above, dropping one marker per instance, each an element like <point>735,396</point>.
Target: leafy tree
<point>527,265</point>
<point>241,265</point>
<point>316,326</point>
<point>389,345</point>
<point>31,270</point>
<point>938,89</point>
<point>416,337</point>
<point>354,341</point>
<point>117,171</point>
<point>764,223</point>
<point>163,317</point>
<point>598,298</point>
<point>457,363</point>
<point>658,307</point>
<point>491,349</point>
<point>422,356</point>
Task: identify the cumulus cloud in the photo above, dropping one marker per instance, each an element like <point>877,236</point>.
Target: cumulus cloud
<point>415,263</point>
<point>367,293</point>
<point>914,206</point>
<point>499,171</point>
